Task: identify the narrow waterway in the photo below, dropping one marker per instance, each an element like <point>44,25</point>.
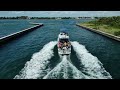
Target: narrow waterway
<point>34,55</point>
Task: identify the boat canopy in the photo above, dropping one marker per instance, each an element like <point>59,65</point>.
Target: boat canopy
<point>63,30</point>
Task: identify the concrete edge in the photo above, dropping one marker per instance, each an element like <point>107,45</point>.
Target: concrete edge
<point>101,33</point>
<point>13,35</point>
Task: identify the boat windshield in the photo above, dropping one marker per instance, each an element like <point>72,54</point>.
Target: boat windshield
<point>64,40</point>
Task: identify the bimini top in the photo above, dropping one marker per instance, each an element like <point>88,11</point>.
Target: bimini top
<point>63,30</point>
<point>63,34</point>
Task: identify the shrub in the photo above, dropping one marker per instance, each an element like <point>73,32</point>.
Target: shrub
<point>117,33</point>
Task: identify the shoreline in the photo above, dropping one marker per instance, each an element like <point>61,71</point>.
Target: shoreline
<point>101,33</point>
<point>18,34</point>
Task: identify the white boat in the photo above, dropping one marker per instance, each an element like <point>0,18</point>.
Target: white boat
<point>64,45</point>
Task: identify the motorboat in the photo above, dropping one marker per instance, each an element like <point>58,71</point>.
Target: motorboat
<point>64,45</point>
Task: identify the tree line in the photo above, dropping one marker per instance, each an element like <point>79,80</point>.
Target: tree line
<point>111,21</point>
<point>18,17</point>
<point>26,17</point>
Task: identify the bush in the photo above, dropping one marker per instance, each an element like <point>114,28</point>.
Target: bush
<point>117,33</point>
<point>111,21</point>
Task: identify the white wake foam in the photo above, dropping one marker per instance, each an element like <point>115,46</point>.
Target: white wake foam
<point>91,65</point>
<point>65,70</point>
<point>37,66</point>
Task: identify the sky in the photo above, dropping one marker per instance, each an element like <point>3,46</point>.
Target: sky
<point>59,13</point>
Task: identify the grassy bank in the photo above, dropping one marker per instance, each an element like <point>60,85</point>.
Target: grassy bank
<point>106,25</point>
<point>104,28</point>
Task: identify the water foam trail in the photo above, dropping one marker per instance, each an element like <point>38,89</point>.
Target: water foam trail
<point>37,66</point>
<point>65,70</point>
<point>91,65</point>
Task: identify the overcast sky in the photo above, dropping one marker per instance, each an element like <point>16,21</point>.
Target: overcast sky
<point>59,13</point>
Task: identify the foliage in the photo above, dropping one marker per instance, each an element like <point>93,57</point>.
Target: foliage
<point>111,21</point>
<point>117,33</point>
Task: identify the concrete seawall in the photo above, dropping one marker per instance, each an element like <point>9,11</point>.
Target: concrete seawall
<point>18,34</point>
<point>35,23</point>
<point>101,33</point>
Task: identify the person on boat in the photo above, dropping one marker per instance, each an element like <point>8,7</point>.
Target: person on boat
<point>60,45</point>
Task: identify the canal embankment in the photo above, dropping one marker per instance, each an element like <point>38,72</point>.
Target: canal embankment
<point>20,33</point>
<point>117,38</point>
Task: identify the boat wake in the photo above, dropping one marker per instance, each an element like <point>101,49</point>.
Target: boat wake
<point>91,65</point>
<point>38,66</point>
<point>65,70</point>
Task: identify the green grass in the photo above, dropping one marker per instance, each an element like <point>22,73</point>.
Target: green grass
<point>103,27</point>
